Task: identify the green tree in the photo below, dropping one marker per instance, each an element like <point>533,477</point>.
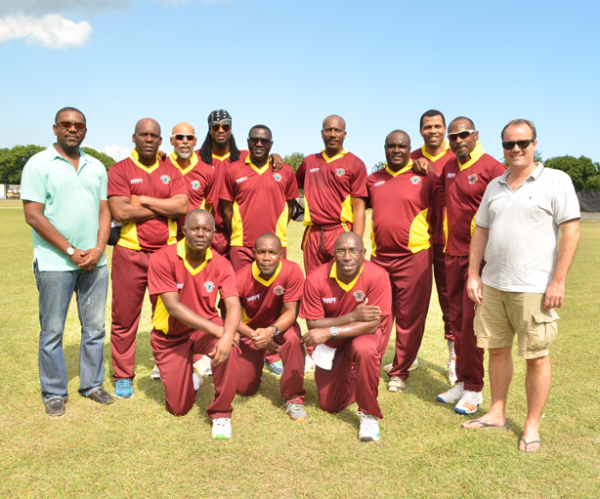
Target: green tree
<point>583,171</point>
<point>378,166</point>
<point>13,160</point>
<point>105,159</point>
<point>294,160</point>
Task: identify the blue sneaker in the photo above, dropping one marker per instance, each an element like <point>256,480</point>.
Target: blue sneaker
<point>275,367</point>
<point>123,388</point>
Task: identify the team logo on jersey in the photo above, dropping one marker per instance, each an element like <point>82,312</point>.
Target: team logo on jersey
<point>136,180</point>
<point>381,182</point>
<point>250,299</point>
<point>472,179</point>
<point>278,290</point>
<point>240,180</point>
<point>209,286</point>
<point>329,300</point>
<point>451,175</point>
<point>359,295</point>
<point>415,180</point>
<point>277,177</point>
<point>313,170</point>
<point>165,179</point>
<point>340,172</point>
<point>195,184</point>
<point>179,285</point>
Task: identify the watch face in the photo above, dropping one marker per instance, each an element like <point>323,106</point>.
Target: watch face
<point>70,251</point>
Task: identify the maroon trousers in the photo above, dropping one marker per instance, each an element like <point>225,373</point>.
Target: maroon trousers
<point>354,376</point>
<point>469,358</point>
<point>439,271</point>
<point>411,279</point>
<point>173,356</point>
<point>318,244</point>
<point>129,281</point>
<point>292,355</point>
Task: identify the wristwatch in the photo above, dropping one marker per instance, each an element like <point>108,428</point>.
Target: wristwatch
<point>333,331</point>
<point>71,250</point>
<point>276,330</point>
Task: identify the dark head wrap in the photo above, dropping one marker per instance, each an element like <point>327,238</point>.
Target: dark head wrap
<point>219,116</point>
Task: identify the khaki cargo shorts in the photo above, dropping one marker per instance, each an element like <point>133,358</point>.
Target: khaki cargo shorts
<point>502,314</point>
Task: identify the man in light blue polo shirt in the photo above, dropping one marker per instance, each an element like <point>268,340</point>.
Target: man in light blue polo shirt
<point>64,198</point>
<point>523,281</point>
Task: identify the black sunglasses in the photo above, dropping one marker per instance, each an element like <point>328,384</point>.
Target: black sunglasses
<point>68,124</point>
<point>463,135</point>
<point>181,136</point>
<point>510,144</point>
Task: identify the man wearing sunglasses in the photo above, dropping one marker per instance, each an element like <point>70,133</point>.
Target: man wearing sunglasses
<point>401,246</point>
<point>461,189</point>
<point>518,222</point>
<point>438,152</point>
<point>64,199</point>
<point>255,199</point>
<point>197,175</point>
<point>347,307</point>
<point>147,195</point>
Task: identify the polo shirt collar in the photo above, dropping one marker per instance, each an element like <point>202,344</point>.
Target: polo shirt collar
<point>259,170</point>
<point>337,156</point>
<point>135,157</point>
<point>53,153</point>
<point>343,285</point>
<point>435,158</point>
<point>181,254</point>
<point>534,175</point>
<point>193,162</point>
<point>401,171</point>
<point>475,155</point>
<point>257,277</point>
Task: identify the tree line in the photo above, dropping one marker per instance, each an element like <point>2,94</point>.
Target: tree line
<point>584,172</point>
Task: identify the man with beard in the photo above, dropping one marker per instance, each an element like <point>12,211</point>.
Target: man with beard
<point>461,189</point>
<point>402,203</point>
<point>437,151</point>
<point>185,279</point>
<point>270,291</point>
<point>147,195</point>
<point>346,332</point>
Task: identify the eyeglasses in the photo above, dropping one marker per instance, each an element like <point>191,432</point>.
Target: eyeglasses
<point>256,141</point>
<point>352,251</point>
<point>181,136</point>
<point>217,126</point>
<point>510,145</point>
<point>463,135</point>
<point>68,124</point>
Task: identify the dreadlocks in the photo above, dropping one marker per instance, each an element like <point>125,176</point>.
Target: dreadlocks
<point>206,150</point>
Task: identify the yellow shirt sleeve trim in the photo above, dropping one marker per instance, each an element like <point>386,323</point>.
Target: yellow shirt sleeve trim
<point>343,285</point>
<point>281,228</point>
<point>193,162</point>
<point>245,317</point>
<point>129,238</point>
<point>475,155</point>
<point>347,214</point>
<point>399,172</point>
<point>418,236</point>
<point>473,225</point>
<point>160,318</point>
<point>307,221</point>
<point>181,254</point>
<point>257,277</point>
<point>337,156</point>
<point>135,157</point>
<point>373,243</point>
<point>237,229</point>
<point>439,156</point>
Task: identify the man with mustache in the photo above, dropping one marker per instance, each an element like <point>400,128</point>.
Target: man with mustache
<point>146,194</point>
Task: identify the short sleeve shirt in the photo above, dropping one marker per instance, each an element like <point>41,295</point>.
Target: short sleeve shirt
<point>262,301</point>
<point>71,200</point>
<point>259,198</point>
<point>521,251</point>
<point>162,180</point>
<point>329,185</point>
<point>198,288</point>
<point>326,296</point>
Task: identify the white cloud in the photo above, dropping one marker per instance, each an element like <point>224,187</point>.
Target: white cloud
<point>40,7</point>
<point>51,30</point>
<point>117,152</point>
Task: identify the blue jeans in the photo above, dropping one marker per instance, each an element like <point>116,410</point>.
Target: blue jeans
<point>56,290</point>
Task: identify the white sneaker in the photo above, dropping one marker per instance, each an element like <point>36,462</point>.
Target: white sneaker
<point>221,428</point>
<point>197,381</point>
<point>155,374</point>
<point>369,427</point>
<point>469,402</point>
<point>396,384</point>
<point>451,370</point>
<point>202,366</point>
<point>452,395</point>
<point>387,368</point>
<point>414,365</point>
<point>309,364</point>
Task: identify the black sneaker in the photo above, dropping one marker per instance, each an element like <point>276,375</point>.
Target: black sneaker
<point>55,407</point>
<point>101,396</point>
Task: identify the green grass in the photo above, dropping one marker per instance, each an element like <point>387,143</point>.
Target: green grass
<point>135,449</point>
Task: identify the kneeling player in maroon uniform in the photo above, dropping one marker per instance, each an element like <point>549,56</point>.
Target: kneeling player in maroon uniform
<point>346,332</point>
<point>270,291</point>
<point>185,279</point>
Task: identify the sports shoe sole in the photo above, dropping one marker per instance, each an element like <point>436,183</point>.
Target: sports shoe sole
<point>472,409</point>
<point>369,439</point>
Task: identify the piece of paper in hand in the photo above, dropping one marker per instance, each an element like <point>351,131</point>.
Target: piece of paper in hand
<point>323,356</point>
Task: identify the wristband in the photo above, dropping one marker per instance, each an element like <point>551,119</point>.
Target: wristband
<point>100,250</point>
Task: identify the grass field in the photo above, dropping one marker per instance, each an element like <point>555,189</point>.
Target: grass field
<point>135,449</point>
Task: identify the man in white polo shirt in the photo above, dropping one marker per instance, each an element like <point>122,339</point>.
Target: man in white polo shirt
<point>64,199</point>
<point>524,279</point>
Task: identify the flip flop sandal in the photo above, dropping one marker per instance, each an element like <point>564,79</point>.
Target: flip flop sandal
<point>485,426</point>
<point>529,443</point>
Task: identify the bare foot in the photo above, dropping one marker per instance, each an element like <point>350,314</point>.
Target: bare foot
<point>532,444</point>
<point>488,420</point>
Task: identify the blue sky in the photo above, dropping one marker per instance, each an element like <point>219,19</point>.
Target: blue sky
<point>379,64</point>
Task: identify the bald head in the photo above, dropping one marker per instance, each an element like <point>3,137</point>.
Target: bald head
<point>334,121</point>
<point>461,120</point>
<point>147,124</point>
<point>147,139</point>
<point>397,135</point>
<point>199,216</point>
<point>351,238</point>
<point>268,239</point>
<point>183,140</point>
<point>184,128</point>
